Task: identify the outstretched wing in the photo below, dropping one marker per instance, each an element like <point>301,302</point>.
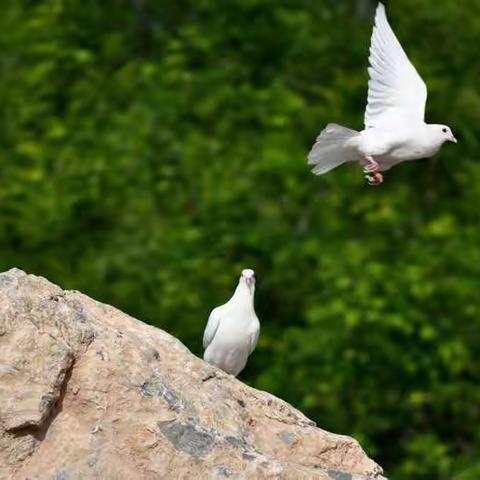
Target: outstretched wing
<point>211,328</point>
<point>397,95</point>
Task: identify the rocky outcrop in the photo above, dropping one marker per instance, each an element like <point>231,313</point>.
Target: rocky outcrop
<point>87,392</point>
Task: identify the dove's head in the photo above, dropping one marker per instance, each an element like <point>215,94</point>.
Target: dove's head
<point>443,134</point>
<point>248,278</point>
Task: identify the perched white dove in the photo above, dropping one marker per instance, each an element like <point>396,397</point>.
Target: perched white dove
<point>395,128</point>
<point>232,329</point>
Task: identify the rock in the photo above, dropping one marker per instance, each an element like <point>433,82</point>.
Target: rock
<point>87,392</point>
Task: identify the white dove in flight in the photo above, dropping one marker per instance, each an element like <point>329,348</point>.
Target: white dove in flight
<point>232,330</point>
<point>395,128</point>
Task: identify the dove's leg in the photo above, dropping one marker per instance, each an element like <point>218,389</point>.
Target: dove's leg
<point>372,166</point>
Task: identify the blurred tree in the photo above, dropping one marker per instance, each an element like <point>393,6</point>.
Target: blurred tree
<point>150,150</point>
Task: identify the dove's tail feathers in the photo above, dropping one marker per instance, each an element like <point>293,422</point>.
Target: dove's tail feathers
<point>332,149</point>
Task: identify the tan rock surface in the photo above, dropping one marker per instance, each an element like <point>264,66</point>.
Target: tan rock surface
<point>87,392</point>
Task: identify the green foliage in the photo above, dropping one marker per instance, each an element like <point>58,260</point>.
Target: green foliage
<point>150,150</point>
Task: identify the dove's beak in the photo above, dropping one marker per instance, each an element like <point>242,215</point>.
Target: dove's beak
<point>250,283</point>
<point>453,139</point>
<point>248,278</point>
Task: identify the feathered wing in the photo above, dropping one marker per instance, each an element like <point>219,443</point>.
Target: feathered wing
<point>254,334</point>
<point>211,328</point>
<point>396,93</point>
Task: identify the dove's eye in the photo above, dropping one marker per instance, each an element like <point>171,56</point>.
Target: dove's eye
<point>444,130</point>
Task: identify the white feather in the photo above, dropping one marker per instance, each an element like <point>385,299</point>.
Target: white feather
<point>397,95</point>
<point>211,328</point>
<point>395,128</point>
<point>233,329</point>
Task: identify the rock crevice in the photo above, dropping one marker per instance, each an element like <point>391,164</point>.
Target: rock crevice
<point>121,399</point>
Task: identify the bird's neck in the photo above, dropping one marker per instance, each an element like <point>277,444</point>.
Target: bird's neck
<point>243,294</point>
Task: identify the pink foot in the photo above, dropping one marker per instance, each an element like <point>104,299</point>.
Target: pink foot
<point>376,178</point>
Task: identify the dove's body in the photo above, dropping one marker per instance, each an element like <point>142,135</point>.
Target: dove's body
<point>395,129</point>
<point>389,147</point>
<point>231,345</point>
<point>232,331</point>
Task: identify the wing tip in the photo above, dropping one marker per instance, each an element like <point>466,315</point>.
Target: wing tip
<point>381,9</point>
